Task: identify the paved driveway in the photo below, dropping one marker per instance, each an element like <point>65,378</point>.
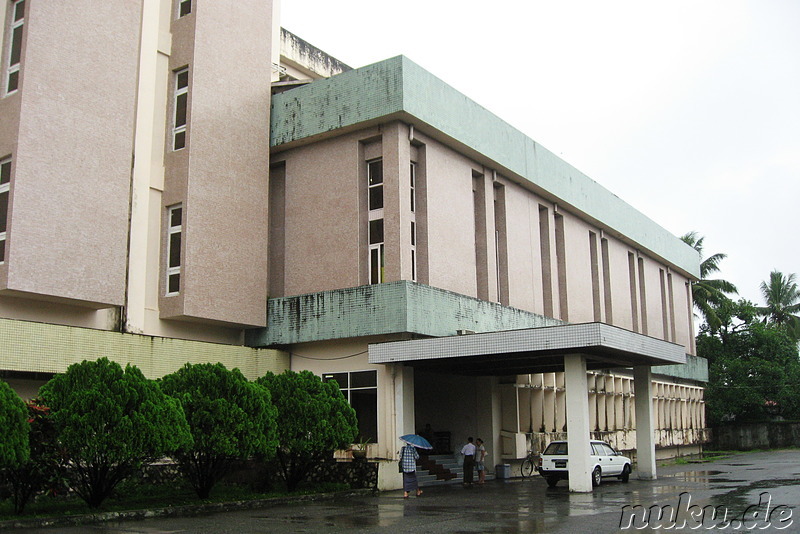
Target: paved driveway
<point>755,490</point>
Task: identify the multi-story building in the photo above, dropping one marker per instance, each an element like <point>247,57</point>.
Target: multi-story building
<point>183,181</point>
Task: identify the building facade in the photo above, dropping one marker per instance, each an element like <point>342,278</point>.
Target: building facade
<point>160,203</point>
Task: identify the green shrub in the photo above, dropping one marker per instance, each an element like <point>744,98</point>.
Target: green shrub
<point>230,419</point>
<point>14,428</point>
<point>109,422</point>
<point>314,419</point>
<point>44,470</point>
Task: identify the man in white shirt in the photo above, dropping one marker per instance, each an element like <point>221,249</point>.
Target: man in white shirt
<point>468,451</point>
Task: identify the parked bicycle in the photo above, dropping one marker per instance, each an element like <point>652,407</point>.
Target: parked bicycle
<point>529,464</point>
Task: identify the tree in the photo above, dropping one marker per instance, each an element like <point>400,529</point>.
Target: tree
<point>109,422</point>
<point>314,419</point>
<point>46,465</point>
<point>708,294</point>
<point>754,370</point>
<point>230,419</point>
<point>783,302</point>
<point>14,448</point>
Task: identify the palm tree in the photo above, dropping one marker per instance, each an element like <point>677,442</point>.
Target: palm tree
<point>708,294</point>
<point>783,302</point>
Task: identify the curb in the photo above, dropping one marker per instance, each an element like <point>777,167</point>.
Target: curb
<point>188,510</point>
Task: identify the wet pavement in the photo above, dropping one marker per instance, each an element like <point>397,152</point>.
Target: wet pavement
<point>752,492</point>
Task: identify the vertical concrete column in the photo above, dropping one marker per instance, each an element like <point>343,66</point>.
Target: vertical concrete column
<point>397,202</point>
<point>397,422</point>
<point>145,172</point>
<point>537,405</point>
<point>404,402</point>
<point>576,384</point>
<point>488,416</point>
<point>645,423</point>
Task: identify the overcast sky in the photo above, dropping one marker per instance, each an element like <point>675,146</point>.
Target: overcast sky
<point>687,110</point>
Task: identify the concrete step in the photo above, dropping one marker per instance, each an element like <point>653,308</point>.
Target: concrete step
<point>451,463</point>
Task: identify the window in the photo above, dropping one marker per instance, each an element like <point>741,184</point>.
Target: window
<point>175,216</point>
<point>481,236</point>
<point>561,265</point>
<point>500,243</point>
<point>546,261</point>
<point>670,295</point>
<point>642,297</point>
<point>360,388</point>
<point>184,7</point>
<point>376,241</point>
<point>606,280</point>
<point>181,107</point>
<point>595,270</point>
<point>375,176</point>
<point>634,291</point>
<point>15,27</point>
<point>558,448</point>
<point>5,184</point>
<point>413,185</point>
<point>413,251</point>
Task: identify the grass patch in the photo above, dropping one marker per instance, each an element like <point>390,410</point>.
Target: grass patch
<point>680,460</point>
<point>148,496</point>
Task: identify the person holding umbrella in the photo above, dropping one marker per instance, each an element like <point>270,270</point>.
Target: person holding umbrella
<point>408,462</point>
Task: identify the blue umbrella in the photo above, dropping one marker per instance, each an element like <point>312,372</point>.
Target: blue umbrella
<point>417,441</point>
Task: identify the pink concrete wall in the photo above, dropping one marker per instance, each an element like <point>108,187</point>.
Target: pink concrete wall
<point>322,231</point>
<point>326,249</point>
<point>221,177</point>
<point>68,227</point>
<point>451,227</point>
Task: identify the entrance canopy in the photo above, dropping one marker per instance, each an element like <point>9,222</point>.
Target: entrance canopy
<point>573,349</point>
<point>532,350</point>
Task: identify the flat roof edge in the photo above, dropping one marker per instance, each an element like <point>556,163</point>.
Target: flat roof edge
<point>635,349</point>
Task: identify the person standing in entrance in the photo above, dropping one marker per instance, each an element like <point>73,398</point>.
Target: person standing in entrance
<point>480,456</point>
<point>408,463</point>
<point>468,451</point>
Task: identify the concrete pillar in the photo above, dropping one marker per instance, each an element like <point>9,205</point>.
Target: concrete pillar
<point>576,384</point>
<point>645,424</point>
<point>145,171</point>
<point>397,202</point>
<point>403,380</point>
<point>489,418</point>
<point>404,402</point>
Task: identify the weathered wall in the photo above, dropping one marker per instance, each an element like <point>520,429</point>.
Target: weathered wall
<point>593,275</point>
<point>399,88</point>
<point>390,308</point>
<point>771,435</point>
<point>41,348</point>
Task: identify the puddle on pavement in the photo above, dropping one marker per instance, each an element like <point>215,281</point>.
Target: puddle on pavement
<point>745,495</point>
<point>692,474</point>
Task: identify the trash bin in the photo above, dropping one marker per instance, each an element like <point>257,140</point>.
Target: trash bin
<point>502,471</point>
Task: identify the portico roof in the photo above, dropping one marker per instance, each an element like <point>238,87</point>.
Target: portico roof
<point>531,350</point>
